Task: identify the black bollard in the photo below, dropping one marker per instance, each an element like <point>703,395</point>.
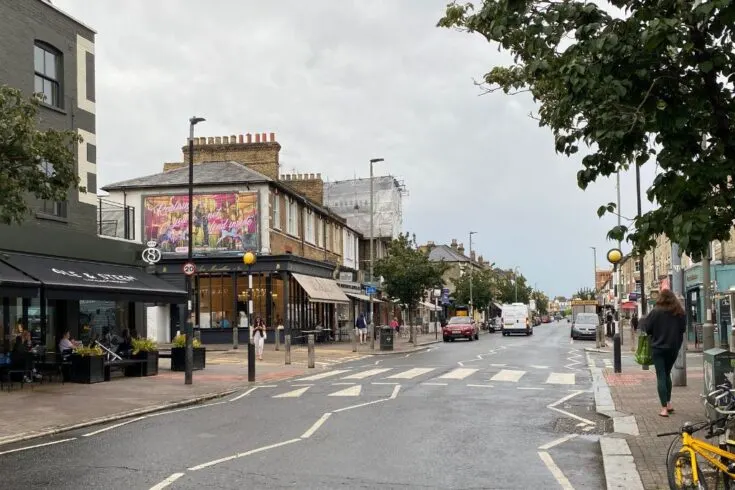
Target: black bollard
<point>251,362</point>
<point>617,359</point>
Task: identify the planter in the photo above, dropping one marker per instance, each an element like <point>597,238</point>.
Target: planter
<point>149,368</point>
<point>87,369</point>
<point>178,358</point>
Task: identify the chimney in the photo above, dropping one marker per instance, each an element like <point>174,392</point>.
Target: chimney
<point>460,248</point>
<point>261,155</point>
<point>310,186</point>
<point>454,243</point>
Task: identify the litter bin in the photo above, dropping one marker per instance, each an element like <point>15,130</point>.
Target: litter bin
<point>386,338</point>
<point>718,364</point>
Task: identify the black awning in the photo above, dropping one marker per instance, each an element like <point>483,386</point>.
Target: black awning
<point>14,283</point>
<point>76,279</point>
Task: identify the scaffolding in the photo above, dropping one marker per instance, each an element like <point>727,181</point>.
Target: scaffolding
<point>351,200</point>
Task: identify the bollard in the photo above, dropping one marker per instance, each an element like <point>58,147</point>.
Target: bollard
<point>633,340</point>
<point>288,348</point>
<point>251,361</point>
<point>310,340</point>
<point>414,329</point>
<point>617,359</point>
<point>372,335</point>
<point>598,331</point>
<point>353,337</point>
<point>278,339</point>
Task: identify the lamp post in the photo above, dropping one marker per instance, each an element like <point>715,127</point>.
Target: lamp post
<point>594,281</point>
<point>372,251</point>
<point>472,305</point>
<point>614,256</point>
<point>249,259</point>
<point>189,354</point>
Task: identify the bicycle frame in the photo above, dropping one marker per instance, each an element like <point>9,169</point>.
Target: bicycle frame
<point>709,452</point>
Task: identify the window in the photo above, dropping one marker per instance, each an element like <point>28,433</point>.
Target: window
<point>54,208</point>
<point>293,218</point>
<point>638,286</point>
<point>320,232</point>
<point>335,239</point>
<point>327,237</point>
<point>637,266</point>
<point>47,65</point>
<point>309,226</point>
<point>277,212</point>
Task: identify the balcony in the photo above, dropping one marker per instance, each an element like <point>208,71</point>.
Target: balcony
<point>115,220</point>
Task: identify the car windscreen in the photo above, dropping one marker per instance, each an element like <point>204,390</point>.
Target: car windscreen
<point>588,318</point>
<point>459,320</point>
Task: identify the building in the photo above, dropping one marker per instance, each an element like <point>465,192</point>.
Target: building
<point>306,274</point>
<point>56,272</point>
<point>602,276</point>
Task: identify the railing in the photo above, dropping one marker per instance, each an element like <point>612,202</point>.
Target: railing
<point>115,220</point>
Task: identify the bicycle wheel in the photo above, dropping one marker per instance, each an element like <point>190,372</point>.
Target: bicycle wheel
<point>679,470</point>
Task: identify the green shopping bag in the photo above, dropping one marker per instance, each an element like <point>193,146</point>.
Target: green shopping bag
<point>643,353</point>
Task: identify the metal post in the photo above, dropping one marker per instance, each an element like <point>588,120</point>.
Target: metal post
<point>251,344</point>
<point>644,302</point>
<point>679,373</point>
<point>617,340</point>
<point>436,317</point>
<point>235,340</point>
<point>472,305</point>
<point>251,361</point>
<point>708,329</point>
<point>353,338</point>
<point>618,289</point>
<point>278,339</point>
<point>189,352</point>
<point>372,253</point>
<point>594,280</point>
<point>288,348</point>
<point>310,347</point>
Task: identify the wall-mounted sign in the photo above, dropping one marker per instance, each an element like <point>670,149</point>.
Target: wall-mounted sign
<point>151,256</point>
<point>445,296</point>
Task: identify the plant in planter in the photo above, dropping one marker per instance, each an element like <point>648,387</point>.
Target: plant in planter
<point>146,350</point>
<point>87,365</point>
<point>178,354</point>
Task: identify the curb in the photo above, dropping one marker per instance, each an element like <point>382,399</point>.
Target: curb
<point>418,348</point>
<point>115,417</point>
<point>617,461</point>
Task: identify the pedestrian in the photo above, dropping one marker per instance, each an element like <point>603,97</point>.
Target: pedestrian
<point>665,325</point>
<point>394,324</point>
<point>259,336</point>
<point>634,322</point>
<point>609,322</point>
<point>361,326</point>
<point>633,330</point>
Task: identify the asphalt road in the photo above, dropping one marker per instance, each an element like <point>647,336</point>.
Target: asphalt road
<point>498,413</point>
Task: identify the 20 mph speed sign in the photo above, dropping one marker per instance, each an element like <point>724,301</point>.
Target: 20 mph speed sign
<point>189,269</point>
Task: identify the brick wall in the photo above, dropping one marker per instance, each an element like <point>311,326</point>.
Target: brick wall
<point>282,243</point>
<point>309,185</point>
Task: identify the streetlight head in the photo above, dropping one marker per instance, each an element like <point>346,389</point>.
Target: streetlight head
<point>376,160</point>
<point>194,120</point>
<point>473,233</point>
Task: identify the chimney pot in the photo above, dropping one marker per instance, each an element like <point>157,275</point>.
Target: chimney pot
<point>311,176</point>
<point>249,137</point>
<point>233,139</point>
<point>298,176</point>
<point>210,140</point>
<point>257,137</point>
<point>264,137</point>
<point>273,137</point>
<point>225,140</point>
<point>217,140</point>
<point>240,139</point>
<point>430,242</point>
<point>319,176</point>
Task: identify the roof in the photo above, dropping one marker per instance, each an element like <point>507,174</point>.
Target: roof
<point>204,173</point>
<point>50,4</point>
<point>447,254</point>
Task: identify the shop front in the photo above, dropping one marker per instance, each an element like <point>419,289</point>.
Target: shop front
<point>723,278</point>
<point>50,295</point>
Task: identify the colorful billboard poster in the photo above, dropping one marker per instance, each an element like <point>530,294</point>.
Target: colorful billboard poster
<point>223,223</point>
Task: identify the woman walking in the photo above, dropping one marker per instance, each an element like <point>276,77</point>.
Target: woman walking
<point>259,336</point>
<point>666,326</point>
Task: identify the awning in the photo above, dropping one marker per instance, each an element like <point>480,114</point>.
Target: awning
<point>17,284</point>
<point>629,305</point>
<point>76,279</point>
<point>321,290</point>
<point>429,306</point>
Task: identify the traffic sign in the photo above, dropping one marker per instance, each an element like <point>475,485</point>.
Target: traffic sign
<point>189,268</point>
<point>370,290</point>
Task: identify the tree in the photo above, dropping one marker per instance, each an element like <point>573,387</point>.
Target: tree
<point>407,272</point>
<point>650,83</point>
<point>39,163</point>
<point>506,288</point>
<point>585,294</point>
<point>482,289</point>
<point>542,302</point>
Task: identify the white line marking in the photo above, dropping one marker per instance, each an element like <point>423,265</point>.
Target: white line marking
<point>295,385</point>
<point>37,445</point>
<point>560,379</point>
<point>362,404</point>
<point>529,388</point>
<point>556,442</point>
<point>168,481</point>
<point>343,384</point>
<point>351,391</point>
<point>539,367</point>
<point>293,394</point>
<point>461,364</point>
<point>435,384</point>
<point>577,417</point>
<point>498,365</point>
<point>386,383</point>
<point>572,395</point>
<point>458,373</point>
<point>367,374</point>
<point>251,390</point>
<point>377,362</point>
<point>242,455</point>
<point>508,375</point>
<point>100,431</point>
<point>324,375</point>
<point>411,373</point>
<point>480,386</point>
<point>316,425</point>
<point>555,471</point>
<point>396,389</point>
<point>407,355</point>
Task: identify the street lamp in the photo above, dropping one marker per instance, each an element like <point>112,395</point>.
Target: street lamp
<point>189,355</point>
<point>249,259</point>
<point>515,281</point>
<point>614,256</point>
<point>472,305</point>
<point>372,251</point>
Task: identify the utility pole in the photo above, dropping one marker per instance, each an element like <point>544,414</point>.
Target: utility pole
<point>372,253</point>
<point>594,280</point>
<point>679,374</point>
<point>708,329</point>
<point>618,300</point>
<point>472,272</point>
<point>644,303</point>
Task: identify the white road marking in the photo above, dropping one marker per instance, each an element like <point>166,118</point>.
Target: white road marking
<point>435,384</point>
<point>480,386</point>
<point>242,455</point>
<point>37,445</point>
<point>396,389</point>
<point>168,481</point>
<point>115,426</point>
<point>386,383</point>
<point>407,355</point>
<point>458,373</point>
<point>362,404</point>
<point>343,384</point>
<point>556,442</point>
<point>460,363</point>
<point>555,471</point>
<point>529,388</point>
<point>377,362</point>
<point>508,375</point>
<point>351,391</point>
<point>411,373</point>
<point>316,425</point>
<point>564,412</point>
<point>293,394</point>
<point>251,390</point>
<point>560,379</point>
<point>498,365</point>
<point>539,367</point>
<point>367,374</point>
<point>324,375</point>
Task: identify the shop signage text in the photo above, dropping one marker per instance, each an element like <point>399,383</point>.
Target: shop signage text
<point>98,278</point>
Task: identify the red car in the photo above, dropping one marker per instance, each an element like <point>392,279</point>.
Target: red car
<point>460,327</point>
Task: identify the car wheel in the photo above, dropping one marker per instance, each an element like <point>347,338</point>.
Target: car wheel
<point>446,339</point>
<point>471,338</point>
<point>477,336</point>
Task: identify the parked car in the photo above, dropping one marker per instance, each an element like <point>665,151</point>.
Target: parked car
<point>585,325</point>
<point>460,327</point>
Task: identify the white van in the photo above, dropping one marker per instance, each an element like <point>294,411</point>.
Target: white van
<point>516,319</point>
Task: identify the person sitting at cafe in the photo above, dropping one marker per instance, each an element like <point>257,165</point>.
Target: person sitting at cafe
<point>66,344</point>
<point>125,347</point>
<point>22,357</point>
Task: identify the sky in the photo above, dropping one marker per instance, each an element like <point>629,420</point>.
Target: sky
<point>341,82</point>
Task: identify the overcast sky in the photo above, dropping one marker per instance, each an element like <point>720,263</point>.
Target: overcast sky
<point>340,82</point>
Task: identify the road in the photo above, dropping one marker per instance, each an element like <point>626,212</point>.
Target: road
<point>499,413</point>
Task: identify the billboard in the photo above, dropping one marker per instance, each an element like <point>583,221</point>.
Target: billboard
<point>223,223</point>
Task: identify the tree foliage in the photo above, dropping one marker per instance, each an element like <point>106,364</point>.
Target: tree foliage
<point>586,294</point>
<point>542,302</point>
<point>407,272</point>
<point>646,84</point>
<point>482,289</point>
<point>506,288</point>
<point>35,162</point>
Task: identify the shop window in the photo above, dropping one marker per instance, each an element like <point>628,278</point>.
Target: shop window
<point>105,321</point>
<point>215,302</point>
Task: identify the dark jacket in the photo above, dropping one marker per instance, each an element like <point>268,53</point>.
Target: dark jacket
<point>665,329</point>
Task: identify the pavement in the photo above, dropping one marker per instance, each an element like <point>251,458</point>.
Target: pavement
<point>501,413</point>
<point>635,457</point>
